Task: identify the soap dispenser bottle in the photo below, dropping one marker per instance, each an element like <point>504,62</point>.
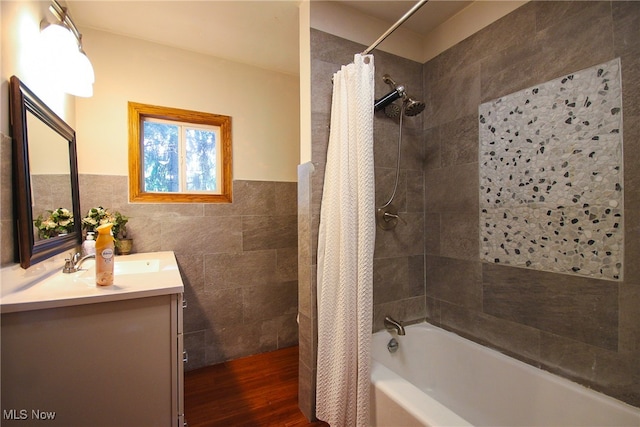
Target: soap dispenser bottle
<point>89,244</point>
<point>104,255</point>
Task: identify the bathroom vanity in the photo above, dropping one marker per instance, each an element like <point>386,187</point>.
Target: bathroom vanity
<point>76,354</point>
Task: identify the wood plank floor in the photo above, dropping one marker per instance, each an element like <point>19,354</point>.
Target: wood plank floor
<point>259,390</point>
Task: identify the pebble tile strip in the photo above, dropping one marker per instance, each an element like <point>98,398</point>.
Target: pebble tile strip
<point>551,175</point>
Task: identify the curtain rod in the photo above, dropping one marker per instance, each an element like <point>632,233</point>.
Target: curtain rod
<point>400,21</point>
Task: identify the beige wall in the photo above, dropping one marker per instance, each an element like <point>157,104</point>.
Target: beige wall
<point>264,105</point>
<point>18,55</point>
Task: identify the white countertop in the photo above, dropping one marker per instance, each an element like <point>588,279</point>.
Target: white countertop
<point>136,276</point>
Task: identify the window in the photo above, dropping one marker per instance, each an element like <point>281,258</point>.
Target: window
<point>178,155</point>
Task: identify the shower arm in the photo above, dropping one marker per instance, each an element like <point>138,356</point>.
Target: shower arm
<point>397,93</point>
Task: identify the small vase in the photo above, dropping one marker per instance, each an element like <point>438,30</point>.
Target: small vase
<point>124,246</point>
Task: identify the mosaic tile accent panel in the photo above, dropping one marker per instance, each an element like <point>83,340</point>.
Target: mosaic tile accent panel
<point>551,176</point>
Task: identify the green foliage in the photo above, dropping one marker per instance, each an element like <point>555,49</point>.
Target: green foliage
<point>57,222</point>
<point>99,215</point>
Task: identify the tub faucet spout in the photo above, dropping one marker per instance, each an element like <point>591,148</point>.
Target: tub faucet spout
<point>392,324</point>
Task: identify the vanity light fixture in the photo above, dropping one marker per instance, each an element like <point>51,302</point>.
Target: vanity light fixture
<point>62,49</point>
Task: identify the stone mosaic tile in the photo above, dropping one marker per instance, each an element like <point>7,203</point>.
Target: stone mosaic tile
<point>551,195</point>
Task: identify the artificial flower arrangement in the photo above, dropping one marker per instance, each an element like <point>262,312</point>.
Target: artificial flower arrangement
<point>59,221</point>
<point>99,215</point>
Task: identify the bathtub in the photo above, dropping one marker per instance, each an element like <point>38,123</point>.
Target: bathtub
<point>437,378</point>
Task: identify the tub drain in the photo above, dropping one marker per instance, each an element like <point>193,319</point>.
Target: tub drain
<point>392,346</point>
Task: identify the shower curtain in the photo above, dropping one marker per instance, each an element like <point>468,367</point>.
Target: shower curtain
<point>345,251</point>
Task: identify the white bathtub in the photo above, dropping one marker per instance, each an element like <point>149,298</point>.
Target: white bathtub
<point>437,378</point>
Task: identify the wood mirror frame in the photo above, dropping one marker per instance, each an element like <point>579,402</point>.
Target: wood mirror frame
<point>29,250</point>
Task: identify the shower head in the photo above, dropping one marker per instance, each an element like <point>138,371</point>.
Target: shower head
<point>392,111</point>
<point>413,107</point>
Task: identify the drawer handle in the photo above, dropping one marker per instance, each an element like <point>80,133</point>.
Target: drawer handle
<point>184,303</point>
<point>185,357</point>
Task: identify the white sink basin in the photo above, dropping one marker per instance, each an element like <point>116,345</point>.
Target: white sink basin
<point>122,268</point>
<point>135,275</point>
<point>136,267</point>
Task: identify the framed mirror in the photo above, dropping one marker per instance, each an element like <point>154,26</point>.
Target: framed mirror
<point>45,178</point>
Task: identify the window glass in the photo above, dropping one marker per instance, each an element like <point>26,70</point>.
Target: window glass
<point>178,155</point>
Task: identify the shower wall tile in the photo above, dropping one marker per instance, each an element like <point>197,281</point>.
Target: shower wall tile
<point>397,278</point>
<point>573,307</point>
<point>307,330</point>
<point>626,34</point>
<point>453,96</point>
<point>406,310</point>
<point>455,281</point>
<point>320,137</point>
<point>629,334</point>
<point>412,155</point>
<point>631,164</point>
<point>404,72</point>
<point>576,43</point>
<point>512,69</point>
<point>286,264</point>
<point>384,184</point>
<point>579,328</point>
<point>414,191</point>
<point>433,152</point>
<point>287,329</point>
<point>405,240</point>
<point>452,189</point>
<point>632,246</point>
<point>322,87</point>
<point>505,32</point>
<point>385,141</point>
<point>329,48</point>
<point>432,234</point>
<point>459,236</point>
<point>511,338</point>
<point>464,132</point>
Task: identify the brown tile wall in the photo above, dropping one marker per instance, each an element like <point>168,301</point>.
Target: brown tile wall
<point>584,329</point>
<point>238,262</point>
<point>6,202</point>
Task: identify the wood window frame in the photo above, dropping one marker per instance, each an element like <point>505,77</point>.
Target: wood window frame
<point>137,113</point>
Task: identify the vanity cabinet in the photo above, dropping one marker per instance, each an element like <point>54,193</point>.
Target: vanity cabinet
<point>115,363</point>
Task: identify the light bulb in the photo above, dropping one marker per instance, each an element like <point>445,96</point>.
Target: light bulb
<point>80,77</point>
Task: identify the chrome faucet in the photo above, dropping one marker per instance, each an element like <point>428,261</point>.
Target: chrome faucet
<point>392,324</point>
<point>73,264</point>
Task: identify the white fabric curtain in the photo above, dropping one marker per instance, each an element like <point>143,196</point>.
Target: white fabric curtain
<point>345,251</point>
